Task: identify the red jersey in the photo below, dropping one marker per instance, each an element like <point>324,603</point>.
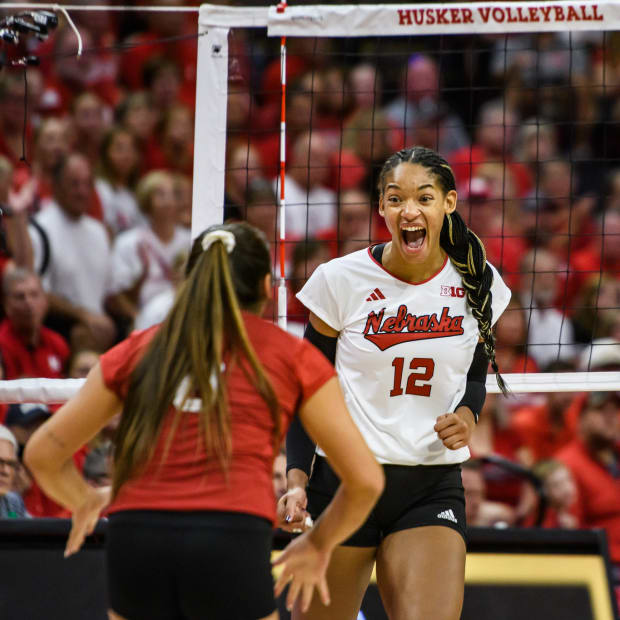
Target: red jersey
<point>190,478</point>
<point>599,493</point>
<point>48,359</point>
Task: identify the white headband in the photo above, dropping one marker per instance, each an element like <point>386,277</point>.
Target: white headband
<point>225,236</point>
<point>7,435</point>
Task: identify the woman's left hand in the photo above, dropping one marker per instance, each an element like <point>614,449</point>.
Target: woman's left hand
<point>304,567</point>
<point>85,517</point>
<point>455,429</point>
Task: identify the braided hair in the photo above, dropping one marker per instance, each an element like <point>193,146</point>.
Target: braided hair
<point>464,248</point>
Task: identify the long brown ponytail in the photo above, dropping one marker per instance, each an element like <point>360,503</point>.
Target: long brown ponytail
<point>203,328</point>
<point>464,248</point>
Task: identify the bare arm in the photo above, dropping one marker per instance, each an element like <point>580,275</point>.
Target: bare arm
<point>16,226</point>
<point>305,560</point>
<point>49,452</point>
<point>327,419</point>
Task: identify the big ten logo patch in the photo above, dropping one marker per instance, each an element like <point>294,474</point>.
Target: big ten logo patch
<point>452,291</point>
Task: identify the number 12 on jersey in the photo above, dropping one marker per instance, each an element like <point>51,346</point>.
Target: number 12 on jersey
<point>427,367</point>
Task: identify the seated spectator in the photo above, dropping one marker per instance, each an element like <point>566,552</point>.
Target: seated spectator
<point>89,124</point>
<point>301,110</point>
<point>561,494</point>
<point>117,175</point>
<point>494,135</point>
<point>602,254</point>
<point>357,227</point>
<point>243,167</point>
<point>365,86</point>
<point>543,429</point>
<point>422,93</point>
<point>494,437</point>
<point>11,504</point>
<point>173,146</point>
<point>145,260</point>
<point>373,138</point>
<point>487,204</point>
<point>135,114</point>
<point>536,141</point>
<point>307,256</point>
<point>310,206</point>
<point>593,458</point>
<point>15,246</point>
<point>183,191</point>
<point>162,79</point>
<point>23,420</point>
<point>81,363</point>
<point>334,101</point>
<point>596,307</point>
<point>71,76</point>
<point>162,38</point>
<point>550,333</point>
<point>479,511</point>
<point>74,258</point>
<point>27,347</point>
<point>262,212</point>
<point>511,334</point>
<point>561,219</point>
<point>53,142</point>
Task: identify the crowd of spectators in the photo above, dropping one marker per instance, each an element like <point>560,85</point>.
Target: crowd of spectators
<point>96,222</point>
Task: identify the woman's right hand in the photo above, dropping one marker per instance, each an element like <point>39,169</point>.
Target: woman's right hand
<point>304,566</point>
<point>291,510</point>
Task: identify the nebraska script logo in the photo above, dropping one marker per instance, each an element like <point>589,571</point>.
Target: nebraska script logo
<point>405,327</point>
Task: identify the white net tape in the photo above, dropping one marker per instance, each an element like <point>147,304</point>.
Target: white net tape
<point>56,391</point>
<point>332,21</point>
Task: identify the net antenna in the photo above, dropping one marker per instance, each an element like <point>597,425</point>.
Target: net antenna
<point>282,290</point>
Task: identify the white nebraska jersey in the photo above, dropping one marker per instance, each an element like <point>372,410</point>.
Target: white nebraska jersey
<point>403,352</point>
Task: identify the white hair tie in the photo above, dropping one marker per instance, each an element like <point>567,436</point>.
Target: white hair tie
<point>225,236</point>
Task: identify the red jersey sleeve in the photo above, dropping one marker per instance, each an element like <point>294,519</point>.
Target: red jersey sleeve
<point>312,369</point>
<point>118,363</point>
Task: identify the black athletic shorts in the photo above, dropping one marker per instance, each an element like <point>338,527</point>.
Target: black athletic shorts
<point>413,496</point>
<point>165,565</point>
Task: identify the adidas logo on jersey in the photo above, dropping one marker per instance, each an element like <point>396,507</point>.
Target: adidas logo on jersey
<point>375,295</point>
<point>447,514</point>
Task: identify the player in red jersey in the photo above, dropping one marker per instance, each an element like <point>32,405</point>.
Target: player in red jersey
<point>206,398</point>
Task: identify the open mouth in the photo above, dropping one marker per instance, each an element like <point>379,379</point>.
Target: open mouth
<point>413,236</point>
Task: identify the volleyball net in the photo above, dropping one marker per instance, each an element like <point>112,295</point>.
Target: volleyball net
<point>519,97</point>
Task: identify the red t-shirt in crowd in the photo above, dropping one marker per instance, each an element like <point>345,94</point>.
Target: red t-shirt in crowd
<point>189,478</point>
<point>466,160</point>
<point>599,493</point>
<point>532,425</point>
<point>48,359</point>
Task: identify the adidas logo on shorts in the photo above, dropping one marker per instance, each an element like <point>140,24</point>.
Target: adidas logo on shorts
<point>447,514</point>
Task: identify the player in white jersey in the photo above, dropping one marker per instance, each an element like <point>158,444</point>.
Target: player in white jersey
<point>408,324</point>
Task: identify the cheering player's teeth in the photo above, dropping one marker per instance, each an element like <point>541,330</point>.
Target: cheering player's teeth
<point>413,236</point>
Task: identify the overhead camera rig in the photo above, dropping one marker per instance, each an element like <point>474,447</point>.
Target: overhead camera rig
<point>37,23</point>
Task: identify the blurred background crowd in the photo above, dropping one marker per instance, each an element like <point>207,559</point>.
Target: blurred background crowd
<point>96,188</point>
